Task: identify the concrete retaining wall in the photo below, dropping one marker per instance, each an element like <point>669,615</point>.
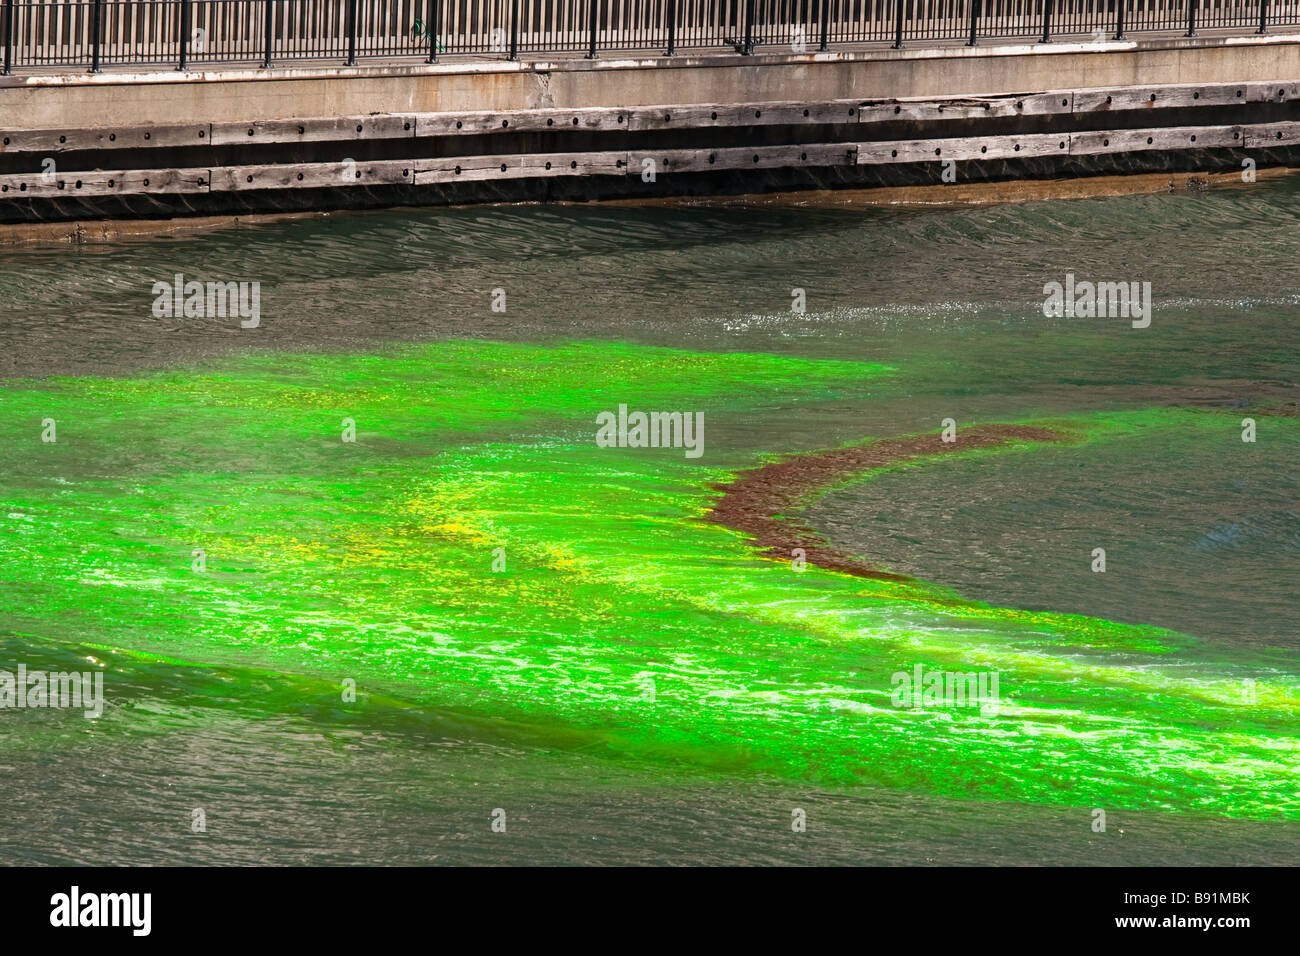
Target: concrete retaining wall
<point>158,144</point>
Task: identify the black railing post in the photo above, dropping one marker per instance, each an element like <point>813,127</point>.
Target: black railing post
<point>9,36</point>
<point>1119,19</point>
<point>269,39</point>
<point>826,26</point>
<point>352,32</point>
<point>591,42</point>
<point>672,27</point>
<point>434,29</point>
<point>94,35</point>
<point>1047,21</point>
<point>1191,17</point>
<point>898,26</point>
<point>1263,16</point>
<point>185,34</point>
<point>514,30</point>
<point>748,46</point>
<point>974,20</point>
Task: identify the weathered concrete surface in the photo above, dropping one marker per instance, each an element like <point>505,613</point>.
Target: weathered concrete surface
<point>481,83</point>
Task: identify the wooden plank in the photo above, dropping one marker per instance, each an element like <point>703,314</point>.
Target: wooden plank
<point>678,116</point>
<point>329,129</point>
<point>794,114</point>
<point>506,121</point>
<point>100,183</point>
<point>338,175</point>
<point>125,137</point>
<point>1173,137</point>
<point>964,107</point>
<point>519,166</point>
<point>1159,97</point>
<point>964,148</point>
<point>756,157</point>
<point>683,116</point>
<point>785,113</point>
<point>397,125</point>
<point>480,168</point>
<point>1272,92</point>
<point>1263,135</point>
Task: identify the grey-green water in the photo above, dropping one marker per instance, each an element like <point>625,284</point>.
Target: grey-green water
<point>224,698</point>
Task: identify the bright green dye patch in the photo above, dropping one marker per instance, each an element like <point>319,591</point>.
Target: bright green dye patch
<point>622,620</point>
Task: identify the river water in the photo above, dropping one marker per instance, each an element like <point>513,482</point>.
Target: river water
<point>390,486</point>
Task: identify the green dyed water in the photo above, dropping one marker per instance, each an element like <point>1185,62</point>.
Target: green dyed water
<point>538,624</point>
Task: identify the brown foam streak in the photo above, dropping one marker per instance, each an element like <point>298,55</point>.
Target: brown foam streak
<point>753,502</point>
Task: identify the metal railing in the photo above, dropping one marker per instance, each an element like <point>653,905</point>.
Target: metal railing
<point>183,34</point>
